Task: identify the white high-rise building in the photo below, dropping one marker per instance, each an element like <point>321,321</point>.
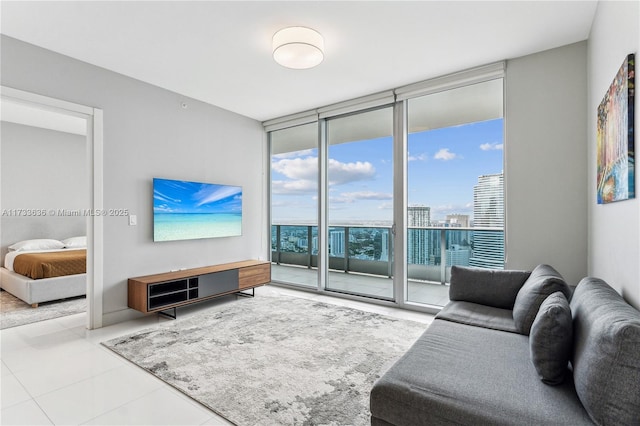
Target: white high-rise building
<point>488,212</point>
<point>417,239</point>
<point>488,201</point>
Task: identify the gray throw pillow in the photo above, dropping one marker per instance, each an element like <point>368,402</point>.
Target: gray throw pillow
<point>606,353</point>
<point>551,338</point>
<point>543,281</point>
<point>490,287</point>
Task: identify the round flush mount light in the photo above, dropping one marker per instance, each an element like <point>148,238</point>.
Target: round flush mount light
<point>298,47</point>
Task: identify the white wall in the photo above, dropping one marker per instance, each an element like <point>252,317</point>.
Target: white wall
<point>545,157</point>
<point>614,238</point>
<point>148,134</point>
<point>42,170</point>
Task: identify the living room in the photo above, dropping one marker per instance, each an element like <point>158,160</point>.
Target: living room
<point>551,98</point>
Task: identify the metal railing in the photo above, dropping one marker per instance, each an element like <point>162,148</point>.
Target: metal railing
<point>431,251</point>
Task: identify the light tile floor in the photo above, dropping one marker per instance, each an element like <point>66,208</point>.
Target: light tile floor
<point>56,372</point>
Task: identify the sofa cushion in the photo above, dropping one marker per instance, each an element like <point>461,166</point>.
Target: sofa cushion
<point>478,315</point>
<point>550,339</point>
<point>497,288</point>
<point>606,353</point>
<point>457,374</point>
<point>543,281</point>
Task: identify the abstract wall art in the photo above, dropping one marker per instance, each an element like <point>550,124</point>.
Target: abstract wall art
<point>615,138</point>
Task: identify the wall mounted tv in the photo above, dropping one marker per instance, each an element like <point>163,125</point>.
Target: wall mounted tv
<point>192,210</point>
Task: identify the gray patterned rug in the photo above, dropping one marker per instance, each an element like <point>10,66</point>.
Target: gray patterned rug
<point>271,361</point>
<point>15,312</point>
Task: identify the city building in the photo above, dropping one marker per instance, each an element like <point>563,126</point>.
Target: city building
<point>488,212</point>
<point>418,216</point>
<point>458,220</point>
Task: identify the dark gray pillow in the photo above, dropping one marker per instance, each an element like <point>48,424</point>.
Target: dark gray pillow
<point>606,353</point>
<point>490,287</point>
<point>551,338</point>
<point>543,281</point>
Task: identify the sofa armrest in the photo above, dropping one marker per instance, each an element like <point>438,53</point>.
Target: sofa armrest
<point>490,287</point>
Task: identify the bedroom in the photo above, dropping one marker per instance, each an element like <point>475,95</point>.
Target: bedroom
<point>44,188</point>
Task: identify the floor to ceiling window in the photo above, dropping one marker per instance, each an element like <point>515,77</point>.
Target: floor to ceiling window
<point>294,204</point>
<point>455,186</point>
<point>339,196</point>
<point>360,203</point>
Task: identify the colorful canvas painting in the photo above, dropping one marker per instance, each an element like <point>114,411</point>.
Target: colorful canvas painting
<point>616,160</point>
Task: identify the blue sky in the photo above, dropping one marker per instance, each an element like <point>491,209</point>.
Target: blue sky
<point>172,196</point>
<point>443,166</point>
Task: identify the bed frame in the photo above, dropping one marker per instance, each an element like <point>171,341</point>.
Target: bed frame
<point>43,290</point>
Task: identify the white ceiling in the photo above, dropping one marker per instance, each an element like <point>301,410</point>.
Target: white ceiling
<point>220,51</point>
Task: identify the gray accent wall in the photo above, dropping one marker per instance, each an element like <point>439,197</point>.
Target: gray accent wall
<point>147,133</point>
<point>614,237</point>
<point>41,170</point>
<point>545,161</point>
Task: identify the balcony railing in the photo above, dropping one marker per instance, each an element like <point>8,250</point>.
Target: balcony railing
<point>431,251</point>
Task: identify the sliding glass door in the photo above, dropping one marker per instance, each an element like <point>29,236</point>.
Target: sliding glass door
<point>360,203</point>
<point>455,186</point>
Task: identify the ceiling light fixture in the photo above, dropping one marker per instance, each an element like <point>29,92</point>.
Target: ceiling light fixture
<point>298,47</point>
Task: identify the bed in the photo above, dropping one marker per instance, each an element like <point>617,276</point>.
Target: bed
<point>48,271</point>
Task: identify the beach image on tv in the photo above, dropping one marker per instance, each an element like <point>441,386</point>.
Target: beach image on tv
<point>193,210</point>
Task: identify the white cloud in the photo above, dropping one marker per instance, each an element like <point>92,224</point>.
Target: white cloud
<point>367,195</point>
<point>341,173</point>
<point>419,157</point>
<point>445,155</point>
<point>385,206</point>
<point>297,168</point>
<point>293,187</point>
<point>303,173</point>
<point>294,154</point>
<point>491,146</point>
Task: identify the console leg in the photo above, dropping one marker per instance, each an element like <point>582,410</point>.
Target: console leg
<point>253,293</point>
<point>174,316</point>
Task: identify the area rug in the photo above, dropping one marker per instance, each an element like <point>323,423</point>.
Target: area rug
<point>275,360</point>
<point>15,312</point>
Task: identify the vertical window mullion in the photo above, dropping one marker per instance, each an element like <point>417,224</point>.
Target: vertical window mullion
<point>400,132</point>
<point>323,229</point>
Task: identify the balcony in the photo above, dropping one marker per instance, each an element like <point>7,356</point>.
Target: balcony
<point>361,258</point>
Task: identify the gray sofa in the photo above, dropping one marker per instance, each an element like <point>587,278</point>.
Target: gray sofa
<point>510,349</point>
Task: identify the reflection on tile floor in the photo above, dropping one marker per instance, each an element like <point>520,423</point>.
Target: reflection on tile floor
<point>56,371</point>
<point>380,287</point>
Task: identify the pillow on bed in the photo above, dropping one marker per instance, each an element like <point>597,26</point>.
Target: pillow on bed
<point>40,244</point>
<point>75,242</point>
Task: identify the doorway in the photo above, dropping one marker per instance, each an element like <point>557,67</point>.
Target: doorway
<point>93,122</point>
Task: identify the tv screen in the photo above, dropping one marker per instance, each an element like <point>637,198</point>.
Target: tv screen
<point>192,210</point>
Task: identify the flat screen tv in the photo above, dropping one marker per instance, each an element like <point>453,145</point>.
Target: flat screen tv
<point>192,210</point>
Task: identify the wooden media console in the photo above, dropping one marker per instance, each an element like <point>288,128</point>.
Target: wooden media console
<point>159,292</point>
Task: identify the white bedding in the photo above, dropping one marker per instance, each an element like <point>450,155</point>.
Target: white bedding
<point>11,256</point>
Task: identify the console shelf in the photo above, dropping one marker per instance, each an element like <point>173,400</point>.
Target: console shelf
<point>159,292</point>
